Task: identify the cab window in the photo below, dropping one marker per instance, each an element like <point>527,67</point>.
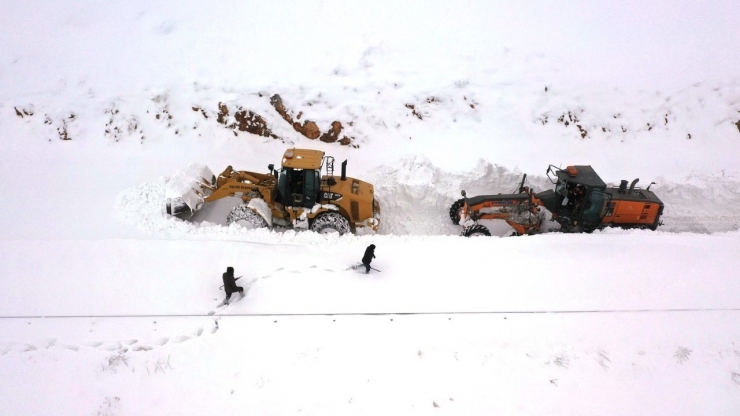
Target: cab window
<point>595,205</point>
<point>312,187</point>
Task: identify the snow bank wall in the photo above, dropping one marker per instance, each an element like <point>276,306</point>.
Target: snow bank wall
<point>415,198</point>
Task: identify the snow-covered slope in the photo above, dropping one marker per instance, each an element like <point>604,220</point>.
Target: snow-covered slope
<point>108,307</point>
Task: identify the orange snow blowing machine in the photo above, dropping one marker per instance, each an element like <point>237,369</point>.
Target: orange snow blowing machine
<point>580,202</point>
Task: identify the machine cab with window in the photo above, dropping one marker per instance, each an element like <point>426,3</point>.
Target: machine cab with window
<point>580,196</point>
<point>299,178</point>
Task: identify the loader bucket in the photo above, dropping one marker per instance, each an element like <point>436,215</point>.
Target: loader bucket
<point>188,188</point>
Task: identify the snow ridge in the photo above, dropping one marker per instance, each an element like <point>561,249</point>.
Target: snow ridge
<point>415,197</point>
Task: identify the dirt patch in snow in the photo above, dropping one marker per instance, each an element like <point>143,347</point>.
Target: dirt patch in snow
<point>309,128</point>
<point>244,120</point>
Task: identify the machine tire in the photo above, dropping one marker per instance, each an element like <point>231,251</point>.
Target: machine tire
<point>454,209</point>
<point>245,217</point>
<point>330,222</point>
<point>476,230</point>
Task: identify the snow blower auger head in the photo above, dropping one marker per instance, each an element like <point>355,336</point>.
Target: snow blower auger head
<point>580,202</point>
<point>295,196</point>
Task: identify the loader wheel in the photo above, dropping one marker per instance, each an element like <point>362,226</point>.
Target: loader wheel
<point>329,223</point>
<point>246,218</point>
<point>476,230</point>
<point>455,209</point>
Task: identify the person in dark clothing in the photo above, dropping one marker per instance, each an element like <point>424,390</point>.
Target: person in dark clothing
<point>368,257</point>
<point>230,284</point>
<point>578,195</point>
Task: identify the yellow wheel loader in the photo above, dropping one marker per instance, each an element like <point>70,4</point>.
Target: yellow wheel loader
<point>296,196</point>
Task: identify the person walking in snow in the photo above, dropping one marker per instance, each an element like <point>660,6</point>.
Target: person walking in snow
<point>230,285</point>
<point>368,257</point>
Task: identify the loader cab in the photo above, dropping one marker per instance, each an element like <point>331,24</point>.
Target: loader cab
<point>299,187</point>
<point>300,178</point>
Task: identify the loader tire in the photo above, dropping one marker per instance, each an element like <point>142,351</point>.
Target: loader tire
<point>476,230</point>
<point>246,218</point>
<point>330,223</point>
<point>454,211</point>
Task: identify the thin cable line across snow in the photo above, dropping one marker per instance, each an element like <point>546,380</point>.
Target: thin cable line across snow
<point>247,315</point>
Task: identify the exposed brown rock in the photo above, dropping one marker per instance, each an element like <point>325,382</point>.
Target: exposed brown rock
<point>583,131</point>
<point>223,112</point>
<point>308,129</point>
<point>63,132</point>
<point>738,125</point>
<point>202,111</point>
<point>414,112</point>
<point>18,113</point>
<point>332,135</point>
<point>277,103</point>
<point>252,123</point>
<point>247,121</point>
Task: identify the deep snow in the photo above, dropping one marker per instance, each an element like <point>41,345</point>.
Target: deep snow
<point>107,306</point>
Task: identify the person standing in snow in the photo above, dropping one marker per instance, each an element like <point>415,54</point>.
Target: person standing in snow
<point>368,257</point>
<point>230,285</point>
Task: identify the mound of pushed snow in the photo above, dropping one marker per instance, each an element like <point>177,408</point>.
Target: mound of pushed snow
<point>415,198</point>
